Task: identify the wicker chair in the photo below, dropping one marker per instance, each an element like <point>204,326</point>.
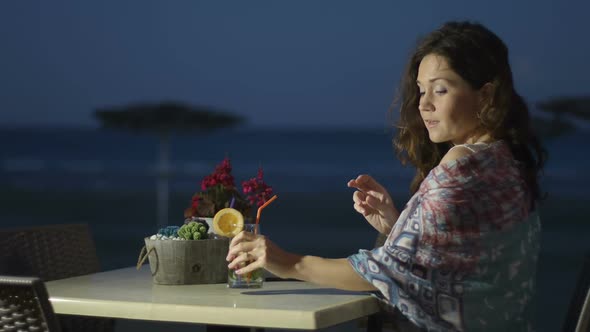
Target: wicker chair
<point>578,315</point>
<point>50,253</point>
<point>24,305</point>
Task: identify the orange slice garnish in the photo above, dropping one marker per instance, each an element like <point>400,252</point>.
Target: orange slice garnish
<point>228,222</point>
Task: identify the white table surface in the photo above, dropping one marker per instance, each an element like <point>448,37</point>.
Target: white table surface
<point>130,294</point>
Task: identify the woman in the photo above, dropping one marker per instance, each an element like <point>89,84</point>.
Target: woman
<point>461,256</point>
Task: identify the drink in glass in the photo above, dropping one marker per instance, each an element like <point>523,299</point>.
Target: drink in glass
<point>252,279</point>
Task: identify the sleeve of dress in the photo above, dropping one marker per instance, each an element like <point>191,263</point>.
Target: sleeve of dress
<point>450,230</point>
<point>374,266</point>
<point>430,234</point>
<point>455,218</point>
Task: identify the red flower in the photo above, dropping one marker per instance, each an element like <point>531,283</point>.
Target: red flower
<point>221,175</point>
<point>218,189</point>
<point>256,190</point>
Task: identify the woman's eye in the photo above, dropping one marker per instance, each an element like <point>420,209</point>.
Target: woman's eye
<point>440,92</point>
<point>421,93</point>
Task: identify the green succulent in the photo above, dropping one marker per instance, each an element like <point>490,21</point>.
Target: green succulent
<point>193,230</point>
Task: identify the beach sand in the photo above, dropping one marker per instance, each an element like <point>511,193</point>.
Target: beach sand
<point>323,224</point>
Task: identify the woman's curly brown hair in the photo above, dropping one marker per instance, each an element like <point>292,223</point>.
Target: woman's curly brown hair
<point>479,57</point>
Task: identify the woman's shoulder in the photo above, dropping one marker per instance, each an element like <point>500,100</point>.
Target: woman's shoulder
<point>469,165</point>
<point>454,153</point>
<point>462,151</point>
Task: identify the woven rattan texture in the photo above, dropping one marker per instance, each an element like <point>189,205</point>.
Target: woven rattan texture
<point>54,252</point>
<point>24,306</point>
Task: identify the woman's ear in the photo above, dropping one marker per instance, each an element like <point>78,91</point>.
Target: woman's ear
<point>486,94</point>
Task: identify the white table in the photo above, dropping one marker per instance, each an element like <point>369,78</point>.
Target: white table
<point>130,294</point>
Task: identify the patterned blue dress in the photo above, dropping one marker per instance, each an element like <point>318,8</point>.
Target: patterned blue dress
<point>462,255</point>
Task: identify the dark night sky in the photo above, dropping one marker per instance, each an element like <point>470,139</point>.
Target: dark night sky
<point>279,63</point>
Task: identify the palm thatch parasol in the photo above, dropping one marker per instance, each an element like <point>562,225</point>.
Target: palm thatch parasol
<point>550,128</point>
<point>162,119</point>
<point>578,107</point>
<point>563,110</point>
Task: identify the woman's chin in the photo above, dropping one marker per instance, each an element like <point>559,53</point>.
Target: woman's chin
<point>436,139</point>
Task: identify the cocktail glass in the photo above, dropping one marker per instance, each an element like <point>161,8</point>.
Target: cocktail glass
<point>252,279</point>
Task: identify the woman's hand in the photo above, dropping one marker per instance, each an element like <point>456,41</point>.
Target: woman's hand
<point>374,202</point>
<point>257,251</point>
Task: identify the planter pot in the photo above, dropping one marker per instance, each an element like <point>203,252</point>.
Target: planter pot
<point>186,262</point>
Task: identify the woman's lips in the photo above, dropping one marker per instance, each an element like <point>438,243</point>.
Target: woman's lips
<point>430,123</point>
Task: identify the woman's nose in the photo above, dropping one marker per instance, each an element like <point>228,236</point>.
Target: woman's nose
<point>424,104</point>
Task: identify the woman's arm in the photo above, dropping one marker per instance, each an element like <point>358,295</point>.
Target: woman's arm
<point>337,273</point>
<point>259,252</point>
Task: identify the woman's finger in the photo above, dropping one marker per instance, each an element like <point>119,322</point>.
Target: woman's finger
<point>358,208</point>
<point>250,267</point>
<point>244,257</point>
<point>366,183</point>
<point>239,247</point>
<point>371,198</point>
<point>241,237</point>
<point>376,203</point>
<point>358,196</point>
<point>358,182</point>
<point>379,195</point>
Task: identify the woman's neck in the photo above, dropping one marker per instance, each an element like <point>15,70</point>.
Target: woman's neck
<point>485,138</point>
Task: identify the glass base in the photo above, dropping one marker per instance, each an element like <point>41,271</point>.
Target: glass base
<point>244,285</point>
<point>253,279</point>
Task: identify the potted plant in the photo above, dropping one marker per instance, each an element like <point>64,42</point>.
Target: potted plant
<point>178,255</point>
<point>218,191</point>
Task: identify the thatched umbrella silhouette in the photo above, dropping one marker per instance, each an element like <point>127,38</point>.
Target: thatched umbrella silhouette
<point>561,109</point>
<point>551,128</point>
<point>578,107</point>
<point>163,119</point>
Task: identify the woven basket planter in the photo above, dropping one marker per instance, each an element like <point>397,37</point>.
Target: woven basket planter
<point>186,262</point>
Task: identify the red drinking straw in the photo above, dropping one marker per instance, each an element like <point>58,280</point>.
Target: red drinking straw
<point>262,207</point>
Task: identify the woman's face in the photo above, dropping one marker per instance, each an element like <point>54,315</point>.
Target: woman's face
<point>448,104</point>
